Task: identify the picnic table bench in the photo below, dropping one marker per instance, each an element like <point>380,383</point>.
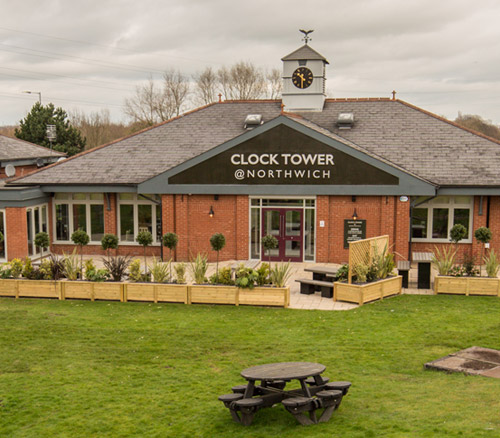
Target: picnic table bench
<point>315,395</point>
<point>323,277</point>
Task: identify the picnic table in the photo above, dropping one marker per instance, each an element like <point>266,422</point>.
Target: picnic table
<point>315,394</point>
<point>323,277</point>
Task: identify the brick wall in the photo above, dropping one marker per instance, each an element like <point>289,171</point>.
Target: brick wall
<point>16,232</point>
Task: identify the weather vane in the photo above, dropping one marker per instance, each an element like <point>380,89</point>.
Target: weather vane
<point>306,33</point>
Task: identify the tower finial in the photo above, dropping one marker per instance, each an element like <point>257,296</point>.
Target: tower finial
<point>306,35</point>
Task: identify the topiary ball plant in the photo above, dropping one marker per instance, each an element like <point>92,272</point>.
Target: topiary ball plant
<point>217,241</point>
<point>269,243</point>
<point>42,241</point>
<point>170,240</point>
<point>80,238</point>
<point>144,238</point>
<point>109,241</point>
<point>483,235</point>
<point>457,233</point>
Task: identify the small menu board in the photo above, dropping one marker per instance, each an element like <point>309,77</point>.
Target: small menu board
<point>354,230</point>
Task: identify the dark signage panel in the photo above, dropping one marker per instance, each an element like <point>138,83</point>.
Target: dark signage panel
<point>283,155</point>
<point>354,230</point>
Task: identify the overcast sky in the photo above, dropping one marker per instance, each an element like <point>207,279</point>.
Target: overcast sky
<point>441,55</point>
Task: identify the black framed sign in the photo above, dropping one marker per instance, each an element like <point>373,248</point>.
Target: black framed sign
<point>354,230</point>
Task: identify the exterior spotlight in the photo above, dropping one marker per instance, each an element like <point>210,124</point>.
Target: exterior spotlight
<point>354,215</point>
<point>211,212</point>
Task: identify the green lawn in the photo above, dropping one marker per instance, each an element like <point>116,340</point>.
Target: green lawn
<point>84,369</point>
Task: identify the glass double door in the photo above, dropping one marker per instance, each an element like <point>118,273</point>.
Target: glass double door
<point>286,225</point>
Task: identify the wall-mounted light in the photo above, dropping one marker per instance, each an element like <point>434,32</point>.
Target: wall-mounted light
<point>216,197</point>
<point>211,212</point>
<point>353,198</point>
<point>354,215</point>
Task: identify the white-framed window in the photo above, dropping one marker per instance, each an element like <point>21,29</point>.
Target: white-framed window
<point>78,210</point>
<point>3,246</point>
<point>136,213</point>
<point>433,220</point>
<point>37,221</point>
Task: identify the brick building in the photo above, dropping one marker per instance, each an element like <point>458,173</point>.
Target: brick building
<point>315,173</point>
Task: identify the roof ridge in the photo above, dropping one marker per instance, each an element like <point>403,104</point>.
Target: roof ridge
<point>444,119</point>
<point>251,101</point>
<point>358,99</point>
<point>117,140</point>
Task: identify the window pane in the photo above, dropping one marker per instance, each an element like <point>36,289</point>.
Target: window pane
<point>44,219</point>
<point>80,196</point>
<point>2,243</point>
<point>255,234</point>
<point>158,224</point>
<point>461,216</point>
<point>61,196</point>
<point>126,196</point>
<point>440,200</point>
<point>255,202</point>
<point>96,222</point>
<point>419,223</point>
<point>29,219</point>
<point>309,202</point>
<point>79,217</point>
<point>62,222</point>
<point>309,236</point>
<point>440,223</point>
<point>145,220</point>
<point>96,196</point>
<point>127,223</point>
<point>37,220</point>
<point>283,202</point>
<point>462,199</point>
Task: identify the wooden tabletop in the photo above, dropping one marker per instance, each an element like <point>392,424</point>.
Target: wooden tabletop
<point>283,371</point>
<point>322,270</point>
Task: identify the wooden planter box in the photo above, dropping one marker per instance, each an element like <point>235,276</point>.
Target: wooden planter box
<point>265,296</point>
<point>364,293</point>
<point>89,290</point>
<point>30,288</point>
<point>155,292</point>
<point>208,294</point>
<point>467,285</point>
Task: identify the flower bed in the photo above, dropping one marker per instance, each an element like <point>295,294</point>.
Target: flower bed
<point>364,293</point>
<point>467,285</point>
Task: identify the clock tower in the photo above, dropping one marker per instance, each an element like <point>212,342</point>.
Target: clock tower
<point>304,80</point>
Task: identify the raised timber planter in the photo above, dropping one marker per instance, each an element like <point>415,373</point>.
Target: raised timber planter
<point>30,288</point>
<point>364,293</point>
<point>169,293</point>
<point>467,285</point>
<point>88,290</point>
<point>208,294</point>
<point>265,296</point>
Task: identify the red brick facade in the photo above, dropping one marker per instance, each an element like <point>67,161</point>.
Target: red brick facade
<point>188,217</point>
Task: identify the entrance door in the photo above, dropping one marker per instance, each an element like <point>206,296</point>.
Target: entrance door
<point>286,225</point>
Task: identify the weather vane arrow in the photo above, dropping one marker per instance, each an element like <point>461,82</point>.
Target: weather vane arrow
<point>306,35</point>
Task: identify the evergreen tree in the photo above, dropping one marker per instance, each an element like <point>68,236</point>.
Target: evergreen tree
<point>34,126</point>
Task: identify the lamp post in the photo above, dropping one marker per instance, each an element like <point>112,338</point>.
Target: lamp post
<point>35,92</point>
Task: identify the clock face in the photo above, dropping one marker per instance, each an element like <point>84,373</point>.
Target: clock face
<point>302,77</point>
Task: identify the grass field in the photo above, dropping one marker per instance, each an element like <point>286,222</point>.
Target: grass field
<point>98,369</point>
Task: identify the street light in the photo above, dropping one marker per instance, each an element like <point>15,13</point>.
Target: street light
<point>35,92</point>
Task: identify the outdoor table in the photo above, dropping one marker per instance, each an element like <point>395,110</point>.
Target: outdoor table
<point>322,273</point>
<point>312,395</point>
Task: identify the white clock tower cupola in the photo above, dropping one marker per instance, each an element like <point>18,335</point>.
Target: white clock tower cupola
<point>304,79</point>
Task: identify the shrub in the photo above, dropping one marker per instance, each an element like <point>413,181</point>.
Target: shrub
<point>144,238</point>
<point>42,241</point>
<point>342,273</point>
<point>217,242</point>
<point>198,268</point>
<point>263,274</point>
<point>246,277</point>
<point>159,271</point>
<point>5,271</point>
<point>71,269</point>
<point>80,238</point>
<point>117,266</point>
<point>361,270</point>
<point>443,261</point>
<point>109,241</point>
<point>28,268</point>
<point>280,274</point>
<point>457,233</point>
<point>492,264</point>
<point>134,271</point>
<point>56,267</point>
<point>46,269</point>
<point>94,274</point>
<point>180,273</point>
<point>225,276</point>
<point>16,268</point>
<point>469,266</point>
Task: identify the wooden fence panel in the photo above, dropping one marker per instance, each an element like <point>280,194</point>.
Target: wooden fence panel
<point>362,251</point>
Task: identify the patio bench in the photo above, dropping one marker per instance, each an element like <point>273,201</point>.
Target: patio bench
<point>308,287</point>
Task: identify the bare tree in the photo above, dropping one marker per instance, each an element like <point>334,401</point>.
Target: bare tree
<point>477,123</point>
<point>274,83</point>
<point>175,89</point>
<point>243,81</point>
<point>205,87</point>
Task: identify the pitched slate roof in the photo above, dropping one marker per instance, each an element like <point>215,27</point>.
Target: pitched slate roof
<point>412,139</point>
<point>14,149</point>
<point>304,52</point>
